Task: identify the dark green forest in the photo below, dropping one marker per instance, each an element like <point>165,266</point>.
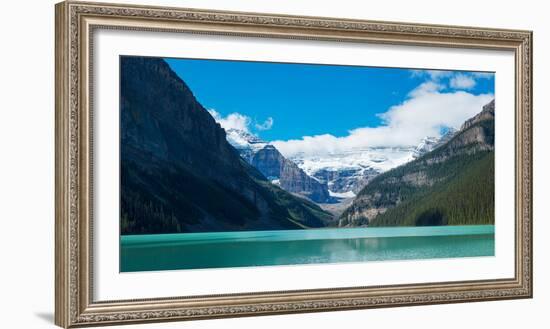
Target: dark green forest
<point>146,200</point>
<point>464,199</point>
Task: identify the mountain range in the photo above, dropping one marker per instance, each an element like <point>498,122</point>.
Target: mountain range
<point>326,178</point>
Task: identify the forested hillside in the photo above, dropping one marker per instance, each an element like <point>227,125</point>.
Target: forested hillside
<point>451,185</point>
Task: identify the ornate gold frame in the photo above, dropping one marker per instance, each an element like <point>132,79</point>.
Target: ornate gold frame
<point>76,22</point>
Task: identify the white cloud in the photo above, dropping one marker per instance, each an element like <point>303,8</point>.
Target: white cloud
<point>423,114</point>
<point>434,75</point>
<point>425,88</point>
<point>266,125</point>
<point>454,79</point>
<point>462,81</point>
<point>231,121</point>
<point>239,121</point>
<point>483,75</point>
<point>439,101</point>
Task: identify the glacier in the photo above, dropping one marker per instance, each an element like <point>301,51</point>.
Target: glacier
<point>347,172</point>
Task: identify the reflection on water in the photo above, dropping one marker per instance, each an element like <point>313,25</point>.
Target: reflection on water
<point>237,249</point>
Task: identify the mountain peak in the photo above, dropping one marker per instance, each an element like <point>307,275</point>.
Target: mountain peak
<point>426,145</point>
<point>241,139</point>
<point>430,143</point>
<point>490,107</point>
<point>244,136</point>
<point>487,113</point>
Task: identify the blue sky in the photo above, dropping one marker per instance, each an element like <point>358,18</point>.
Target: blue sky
<point>281,101</point>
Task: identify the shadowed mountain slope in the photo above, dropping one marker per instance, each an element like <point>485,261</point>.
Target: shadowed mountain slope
<point>178,172</point>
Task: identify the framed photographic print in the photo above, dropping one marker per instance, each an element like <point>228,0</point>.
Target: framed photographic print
<point>215,164</point>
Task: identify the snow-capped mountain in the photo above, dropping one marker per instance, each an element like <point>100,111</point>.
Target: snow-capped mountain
<point>275,167</point>
<point>426,145</point>
<point>347,172</point>
<point>343,173</point>
<point>430,143</point>
<point>447,136</point>
<point>246,143</point>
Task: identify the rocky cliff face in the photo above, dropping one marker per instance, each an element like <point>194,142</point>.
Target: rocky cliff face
<point>345,180</point>
<point>276,168</point>
<point>270,162</point>
<point>178,172</point>
<point>487,113</point>
<point>395,197</point>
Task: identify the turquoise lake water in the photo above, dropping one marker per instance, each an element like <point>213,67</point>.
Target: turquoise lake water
<point>260,248</point>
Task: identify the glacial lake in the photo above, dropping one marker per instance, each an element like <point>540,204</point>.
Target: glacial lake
<point>315,246</point>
